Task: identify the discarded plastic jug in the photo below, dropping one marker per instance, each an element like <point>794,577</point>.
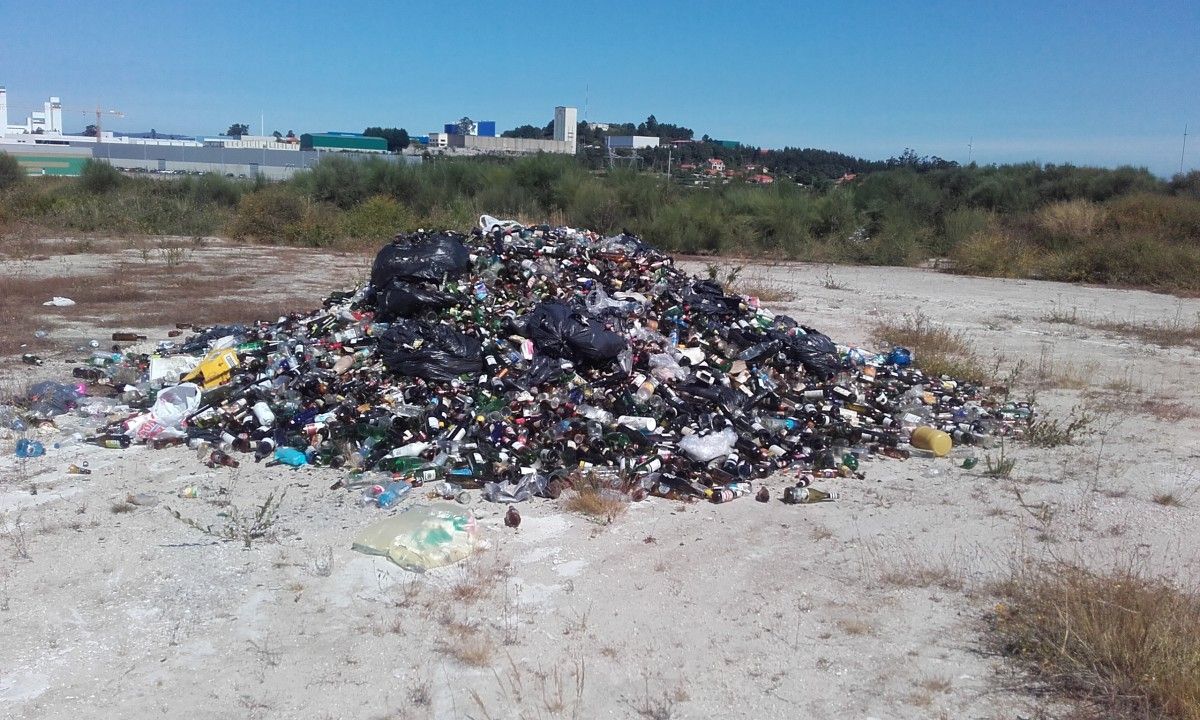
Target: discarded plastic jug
<point>290,456</point>
<point>30,448</point>
<point>932,440</point>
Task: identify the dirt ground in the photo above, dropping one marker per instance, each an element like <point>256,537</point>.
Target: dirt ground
<point>870,607</point>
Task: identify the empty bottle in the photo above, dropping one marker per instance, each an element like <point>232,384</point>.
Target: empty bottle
<point>805,495</point>
<point>393,493</point>
<point>111,441</point>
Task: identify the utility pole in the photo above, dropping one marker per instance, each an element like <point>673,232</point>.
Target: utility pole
<point>971,150</point>
<point>670,148</point>
<point>1183,150</point>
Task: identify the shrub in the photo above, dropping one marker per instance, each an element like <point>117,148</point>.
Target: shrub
<point>99,177</point>
<point>994,252</point>
<point>1176,218</point>
<point>379,218</point>
<point>11,172</point>
<point>1070,222</point>
<point>267,214</point>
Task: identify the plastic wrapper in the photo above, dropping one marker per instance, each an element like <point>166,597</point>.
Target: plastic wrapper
<point>429,350</point>
<point>703,448</point>
<point>420,257</point>
<point>422,537</point>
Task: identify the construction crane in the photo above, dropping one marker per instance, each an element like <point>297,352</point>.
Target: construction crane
<point>99,112</point>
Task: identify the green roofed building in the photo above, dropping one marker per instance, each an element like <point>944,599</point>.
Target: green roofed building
<point>38,159</point>
<point>342,142</point>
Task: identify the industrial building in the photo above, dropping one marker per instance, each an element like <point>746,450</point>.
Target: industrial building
<point>479,143</point>
<point>342,142</point>
<point>46,122</point>
<point>41,148</point>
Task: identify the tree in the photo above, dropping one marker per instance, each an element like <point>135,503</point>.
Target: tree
<point>291,134</point>
<point>277,135</point>
<point>90,131</point>
<point>153,134</point>
<point>11,171</point>
<point>397,138</point>
<point>237,130</point>
<point>466,126</point>
<point>531,132</point>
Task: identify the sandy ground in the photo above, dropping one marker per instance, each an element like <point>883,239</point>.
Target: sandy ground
<point>870,607</point>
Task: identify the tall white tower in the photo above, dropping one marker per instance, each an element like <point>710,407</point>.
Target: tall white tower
<point>566,123</point>
<point>54,116</point>
<point>3,111</point>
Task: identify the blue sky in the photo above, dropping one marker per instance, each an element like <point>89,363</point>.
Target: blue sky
<point>1089,82</point>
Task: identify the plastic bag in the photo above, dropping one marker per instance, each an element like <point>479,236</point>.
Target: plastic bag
<point>487,223</point>
<point>562,332</point>
<point>815,351</point>
<point>428,350</point>
<point>48,398</point>
<point>703,448</point>
<point>168,370</point>
<point>399,299</point>
<point>707,298</point>
<point>664,367</point>
<point>599,303</point>
<point>420,256</point>
<point>165,419</point>
<point>422,536</point>
<point>517,492</point>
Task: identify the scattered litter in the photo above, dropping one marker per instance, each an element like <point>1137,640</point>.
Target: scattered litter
<point>57,301</point>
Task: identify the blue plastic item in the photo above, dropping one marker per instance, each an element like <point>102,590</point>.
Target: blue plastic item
<point>30,448</point>
<point>393,493</point>
<point>900,357</point>
<point>291,456</point>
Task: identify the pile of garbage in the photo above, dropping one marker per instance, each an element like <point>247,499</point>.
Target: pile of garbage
<point>518,361</point>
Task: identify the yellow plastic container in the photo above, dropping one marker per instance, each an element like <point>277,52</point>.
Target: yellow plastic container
<point>931,439</point>
<point>215,369</point>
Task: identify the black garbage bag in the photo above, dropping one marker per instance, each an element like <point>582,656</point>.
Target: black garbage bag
<point>707,297</point>
<point>721,396</point>
<point>429,350</point>
<point>564,332</point>
<point>814,350</point>
<point>399,299</point>
<point>200,342</point>
<point>420,257</point>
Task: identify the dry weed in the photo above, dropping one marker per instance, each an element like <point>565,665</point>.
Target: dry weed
<point>1120,639</point>
<point>593,498</point>
<point>936,349</point>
